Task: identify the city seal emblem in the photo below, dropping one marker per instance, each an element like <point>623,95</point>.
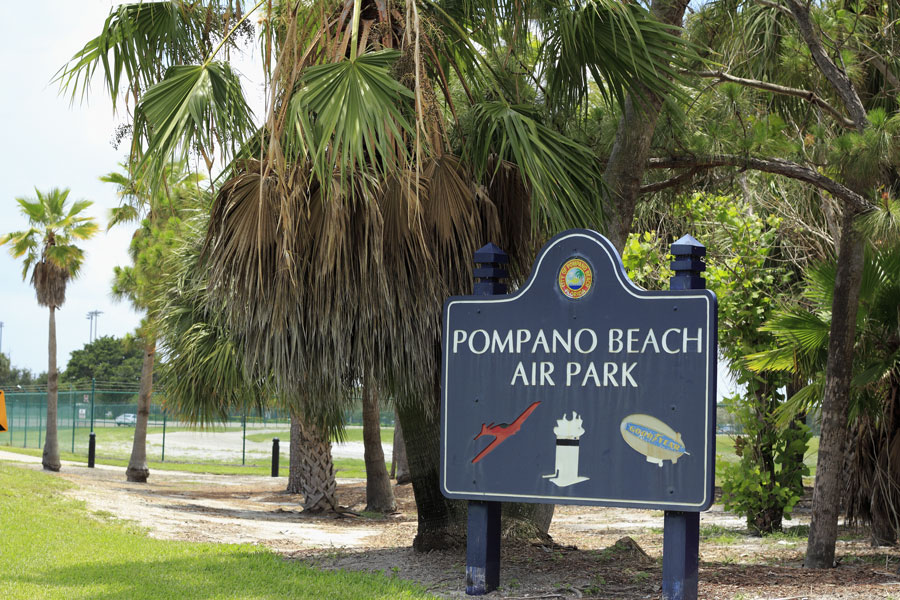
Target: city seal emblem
<point>575,278</point>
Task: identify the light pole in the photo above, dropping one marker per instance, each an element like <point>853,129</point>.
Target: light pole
<point>94,318</point>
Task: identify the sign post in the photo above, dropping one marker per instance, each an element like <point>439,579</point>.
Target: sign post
<point>581,388</point>
<point>483,539</point>
<point>681,530</point>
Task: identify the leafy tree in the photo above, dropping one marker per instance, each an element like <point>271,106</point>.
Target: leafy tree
<point>871,485</point>
<point>744,271</point>
<point>11,377</point>
<point>805,91</point>
<point>106,359</point>
<point>51,255</point>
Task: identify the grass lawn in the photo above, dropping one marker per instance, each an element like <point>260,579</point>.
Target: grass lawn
<point>345,467</point>
<point>52,547</point>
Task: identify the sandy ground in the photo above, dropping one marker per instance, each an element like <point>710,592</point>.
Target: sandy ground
<point>584,560</point>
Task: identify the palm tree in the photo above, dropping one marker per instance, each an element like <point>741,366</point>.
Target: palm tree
<point>397,140</point>
<point>51,255</point>
<point>160,212</point>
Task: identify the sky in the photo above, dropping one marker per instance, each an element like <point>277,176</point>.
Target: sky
<point>48,142</point>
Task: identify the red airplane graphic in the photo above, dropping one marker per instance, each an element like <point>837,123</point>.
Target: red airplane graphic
<point>502,431</point>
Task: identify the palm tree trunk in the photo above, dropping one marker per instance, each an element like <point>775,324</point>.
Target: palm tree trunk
<point>137,470</point>
<point>399,460</point>
<point>379,494</point>
<point>442,522</point>
<point>311,469</point>
<point>835,404</point>
<point>50,458</point>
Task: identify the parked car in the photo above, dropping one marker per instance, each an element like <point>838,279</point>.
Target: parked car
<point>126,419</point>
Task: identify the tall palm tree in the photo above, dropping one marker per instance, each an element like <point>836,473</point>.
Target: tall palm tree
<point>160,212</point>
<point>397,140</point>
<point>52,257</point>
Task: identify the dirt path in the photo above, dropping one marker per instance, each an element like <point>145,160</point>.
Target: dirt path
<point>584,560</point>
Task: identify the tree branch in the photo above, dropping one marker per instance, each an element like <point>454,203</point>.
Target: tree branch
<point>672,182</point>
<point>777,166</point>
<point>838,79</point>
<point>807,95</point>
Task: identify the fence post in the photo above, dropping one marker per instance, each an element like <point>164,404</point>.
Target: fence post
<point>25,443</point>
<point>681,530</point>
<point>165,418</point>
<point>275,457</point>
<point>483,525</point>
<point>244,438</point>
<point>42,410</point>
<point>92,449</point>
<point>72,402</point>
<point>93,388</point>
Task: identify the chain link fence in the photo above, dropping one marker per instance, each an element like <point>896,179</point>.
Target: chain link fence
<point>112,414</point>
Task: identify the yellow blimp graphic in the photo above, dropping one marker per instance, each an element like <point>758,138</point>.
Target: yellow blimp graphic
<point>652,438</point>
<point>4,426</point>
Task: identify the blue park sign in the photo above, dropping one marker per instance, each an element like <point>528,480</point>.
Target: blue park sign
<point>580,388</point>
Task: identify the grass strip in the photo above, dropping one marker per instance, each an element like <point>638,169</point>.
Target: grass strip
<point>345,468</point>
<point>52,547</point>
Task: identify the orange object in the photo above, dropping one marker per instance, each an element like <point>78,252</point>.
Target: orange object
<point>3,424</point>
<point>502,431</point>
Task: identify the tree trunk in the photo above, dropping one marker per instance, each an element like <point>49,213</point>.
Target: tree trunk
<point>399,460</point>
<point>526,521</point>
<point>137,470</point>
<point>311,469</point>
<point>835,404</point>
<point>442,522</point>
<point>631,149</point>
<point>379,494</point>
<point>50,458</point>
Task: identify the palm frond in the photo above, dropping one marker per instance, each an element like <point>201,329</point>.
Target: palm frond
<point>619,44</point>
<point>137,42</point>
<point>562,176</point>
<point>807,400</point>
<point>194,105</point>
<point>807,332</point>
<point>347,117</point>
<point>122,214</point>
